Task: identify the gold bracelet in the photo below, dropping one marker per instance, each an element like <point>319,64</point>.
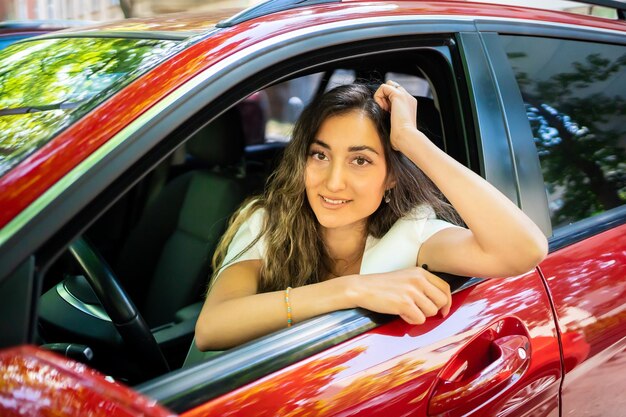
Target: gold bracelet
<point>288,305</point>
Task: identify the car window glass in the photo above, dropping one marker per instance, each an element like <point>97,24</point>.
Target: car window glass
<point>340,77</point>
<point>270,113</point>
<point>575,98</point>
<point>47,84</point>
<point>275,109</point>
<point>416,86</point>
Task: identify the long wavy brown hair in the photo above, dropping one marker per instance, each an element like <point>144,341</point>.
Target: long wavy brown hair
<point>295,252</point>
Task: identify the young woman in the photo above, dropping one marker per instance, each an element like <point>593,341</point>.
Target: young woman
<point>348,220</point>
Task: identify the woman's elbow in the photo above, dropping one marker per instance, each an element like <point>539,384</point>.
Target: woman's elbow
<point>205,337</point>
<point>537,249</point>
<point>201,339</point>
<point>209,336</point>
<point>531,255</point>
<point>542,248</point>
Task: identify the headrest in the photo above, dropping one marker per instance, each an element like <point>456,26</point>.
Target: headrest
<point>221,142</point>
<point>429,120</point>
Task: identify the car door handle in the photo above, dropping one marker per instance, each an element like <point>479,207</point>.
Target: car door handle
<point>487,377</point>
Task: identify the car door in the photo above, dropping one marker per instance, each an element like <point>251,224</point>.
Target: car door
<point>574,92</point>
<point>497,353</point>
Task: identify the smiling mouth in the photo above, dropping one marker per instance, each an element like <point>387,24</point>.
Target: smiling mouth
<point>334,202</point>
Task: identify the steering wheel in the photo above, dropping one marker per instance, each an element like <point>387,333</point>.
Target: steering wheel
<point>122,311</point>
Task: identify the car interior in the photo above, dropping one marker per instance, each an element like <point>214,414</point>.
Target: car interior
<point>156,241</point>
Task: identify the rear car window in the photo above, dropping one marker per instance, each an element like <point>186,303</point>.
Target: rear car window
<point>46,85</point>
<point>280,105</point>
<point>575,98</point>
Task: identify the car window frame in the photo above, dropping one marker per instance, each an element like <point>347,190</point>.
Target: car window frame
<point>18,300</point>
<point>182,389</point>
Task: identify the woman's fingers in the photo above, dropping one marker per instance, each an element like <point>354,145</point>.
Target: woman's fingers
<point>429,295</point>
<point>440,294</point>
<point>382,96</point>
<point>414,294</point>
<point>426,305</point>
<point>393,98</point>
<point>437,297</point>
<point>386,92</point>
<point>412,314</point>
<point>416,309</point>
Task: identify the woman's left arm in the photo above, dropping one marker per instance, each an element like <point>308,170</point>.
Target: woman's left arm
<point>501,239</point>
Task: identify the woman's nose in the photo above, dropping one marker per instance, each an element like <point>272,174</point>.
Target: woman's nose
<point>335,180</point>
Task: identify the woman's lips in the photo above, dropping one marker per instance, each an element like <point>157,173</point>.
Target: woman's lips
<point>333,203</point>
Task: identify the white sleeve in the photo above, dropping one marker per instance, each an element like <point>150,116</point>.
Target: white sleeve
<point>245,235</point>
<point>399,247</point>
<point>431,226</point>
<point>428,226</point>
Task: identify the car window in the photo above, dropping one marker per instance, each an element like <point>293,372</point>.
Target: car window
<point>340,77</point>
<point>47,84</point>
<point>270,113</point>
<point>575,98</point>
<point>280,106</point>
<point>182,204</point>
<point>416,86</point>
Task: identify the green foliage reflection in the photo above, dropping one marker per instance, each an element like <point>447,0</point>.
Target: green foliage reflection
<point>578,119</point>
<point>46,85</point>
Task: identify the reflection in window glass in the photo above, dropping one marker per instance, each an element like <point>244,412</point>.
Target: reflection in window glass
<point>46,85</point>
<point>416,86</point>
<point>575,97</point>
<point>282,104</point>
<point>340,77</point>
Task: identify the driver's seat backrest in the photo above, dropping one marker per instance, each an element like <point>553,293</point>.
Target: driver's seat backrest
<point>165,262</point>
<point>429,120</point>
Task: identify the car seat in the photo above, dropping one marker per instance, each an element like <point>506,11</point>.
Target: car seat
<point>165,262</point>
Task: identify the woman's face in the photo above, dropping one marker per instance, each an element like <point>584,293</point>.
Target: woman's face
<point>346,172</point>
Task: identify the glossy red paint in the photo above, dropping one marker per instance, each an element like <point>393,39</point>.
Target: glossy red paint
<point>393,369</point>
<point>588,285</point>
<point>37,383</point>
<point>30,179</point>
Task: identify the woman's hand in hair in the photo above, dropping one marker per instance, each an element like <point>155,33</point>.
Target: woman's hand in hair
<point>413,293</point>
<point>393,98</point>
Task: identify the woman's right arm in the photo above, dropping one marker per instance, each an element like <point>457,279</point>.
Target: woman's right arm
<point>234,313</point>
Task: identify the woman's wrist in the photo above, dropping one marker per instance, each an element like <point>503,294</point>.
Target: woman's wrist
<point>349,288</point>
<point>412,143</point>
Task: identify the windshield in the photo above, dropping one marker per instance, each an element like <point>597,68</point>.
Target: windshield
<point>46,85</point>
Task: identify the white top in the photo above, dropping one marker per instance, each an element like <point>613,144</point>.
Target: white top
<point>397,249</point>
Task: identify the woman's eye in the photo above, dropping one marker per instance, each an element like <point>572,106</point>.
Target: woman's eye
<point>318,155</point>
<point>360,161</point>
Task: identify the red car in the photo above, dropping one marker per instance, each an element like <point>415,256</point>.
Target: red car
<point>125,147</point>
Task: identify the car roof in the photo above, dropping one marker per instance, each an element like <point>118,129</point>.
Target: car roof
<point>185,25</point>
<point>177,26</point>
